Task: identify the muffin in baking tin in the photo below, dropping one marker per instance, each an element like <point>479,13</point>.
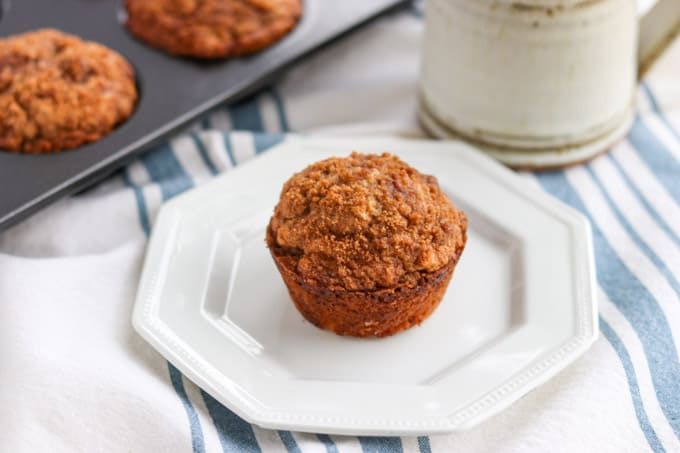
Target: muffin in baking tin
<point>58,91</point>
<point>211,28</point>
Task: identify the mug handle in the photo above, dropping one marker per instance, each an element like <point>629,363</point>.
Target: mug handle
<point>659,25</point>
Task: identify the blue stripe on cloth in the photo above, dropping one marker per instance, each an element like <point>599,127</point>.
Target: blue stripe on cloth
<point>265,141</point>
<point>141,204</point>
<point>635,302</point>
<point>245,115</point>
<point>230,150</point>
<point>424,444</point>
<point>236,435</point>
<point>197,442</point>
<point>380,444</point>
<point>663,163</point>
<point>289,442</point>
<point>328,443</point>
<point>280,109</point>
<point>642,245</point>
<point>657,109</point>
<point>417,8</point>
<point>166,171</point>
<point>649,208</point>
<point>204,154</point>
<point>628,368</point>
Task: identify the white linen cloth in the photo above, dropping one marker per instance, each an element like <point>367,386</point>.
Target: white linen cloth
<point>74,376</point>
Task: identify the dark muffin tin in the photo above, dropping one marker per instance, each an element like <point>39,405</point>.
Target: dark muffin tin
<point>173,91</point>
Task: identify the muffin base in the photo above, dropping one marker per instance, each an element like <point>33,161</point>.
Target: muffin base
<point>378,313</point>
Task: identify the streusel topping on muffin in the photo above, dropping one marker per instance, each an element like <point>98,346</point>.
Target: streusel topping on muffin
<point>366,222</point>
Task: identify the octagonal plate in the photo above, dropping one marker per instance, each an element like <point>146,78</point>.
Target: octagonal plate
<point>519,308</point>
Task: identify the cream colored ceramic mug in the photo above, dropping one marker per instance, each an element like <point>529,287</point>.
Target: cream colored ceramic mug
<point>538,83</point>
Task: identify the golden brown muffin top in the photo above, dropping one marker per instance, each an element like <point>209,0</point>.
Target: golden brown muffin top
<point>366,222</point>
<point>58,91</point>
<point>212,28</point>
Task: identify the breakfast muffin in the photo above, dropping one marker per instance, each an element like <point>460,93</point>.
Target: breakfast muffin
<point>58,91</point>
<point>365,244</point>
<point>211,28</point>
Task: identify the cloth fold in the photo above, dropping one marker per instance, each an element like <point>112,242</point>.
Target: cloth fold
<point>76,377</point>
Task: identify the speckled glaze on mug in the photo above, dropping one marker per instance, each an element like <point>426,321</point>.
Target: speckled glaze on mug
<point>537,83</point>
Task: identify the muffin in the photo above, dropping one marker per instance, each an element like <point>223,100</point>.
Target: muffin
<point>59,92</point>
<point>211,28</point>
<point>365,244</point>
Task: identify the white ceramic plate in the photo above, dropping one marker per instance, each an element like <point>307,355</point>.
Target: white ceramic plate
<point>519,308</point>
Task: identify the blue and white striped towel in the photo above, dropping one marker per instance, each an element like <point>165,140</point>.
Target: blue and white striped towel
<point>75,377</point>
